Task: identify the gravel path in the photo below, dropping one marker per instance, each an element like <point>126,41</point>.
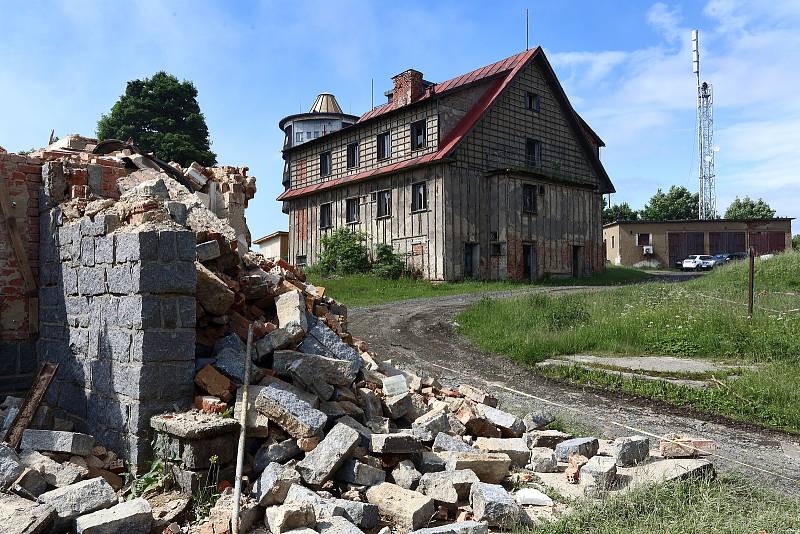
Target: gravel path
<point>420,336</point>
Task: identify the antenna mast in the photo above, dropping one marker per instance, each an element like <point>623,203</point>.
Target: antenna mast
<point>705,138</point>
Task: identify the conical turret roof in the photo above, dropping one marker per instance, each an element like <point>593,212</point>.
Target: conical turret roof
<point>325,103</point>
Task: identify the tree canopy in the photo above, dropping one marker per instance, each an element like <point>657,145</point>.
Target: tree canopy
<point>619,212</point>
<point>677,203</point>
<point>162,116</point>
<point>747,208</point>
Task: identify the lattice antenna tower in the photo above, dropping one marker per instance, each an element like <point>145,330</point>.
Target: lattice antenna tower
<point>705,138</point>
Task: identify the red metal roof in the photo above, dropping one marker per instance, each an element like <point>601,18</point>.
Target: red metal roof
<point>508,67</point>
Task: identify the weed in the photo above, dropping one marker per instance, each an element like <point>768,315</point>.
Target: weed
<point>154,480</point>
<point>207,495</point>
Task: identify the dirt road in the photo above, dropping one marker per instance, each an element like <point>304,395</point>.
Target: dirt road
<point>420,335</point>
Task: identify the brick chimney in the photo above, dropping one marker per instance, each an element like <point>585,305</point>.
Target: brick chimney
<point>407,87</point>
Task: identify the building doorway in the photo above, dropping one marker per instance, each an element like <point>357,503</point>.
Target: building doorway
<point>530,268</point>
<point>471,257</point>
<point>577,261</point>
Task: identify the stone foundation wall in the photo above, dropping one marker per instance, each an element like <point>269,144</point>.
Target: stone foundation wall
<point>117,312</point>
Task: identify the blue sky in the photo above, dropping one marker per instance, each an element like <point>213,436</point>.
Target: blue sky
<point>625,65</point>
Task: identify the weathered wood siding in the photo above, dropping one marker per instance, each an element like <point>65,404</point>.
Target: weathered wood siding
<point>417,236</point>
<point>485,207</point>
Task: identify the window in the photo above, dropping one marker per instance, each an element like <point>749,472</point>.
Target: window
<point>352,155</point>
<point>316,134</point>
<point>384,146</point>
<point>496,249</point>
<point>384,203</point>
<point>612,241</point>
<point>533,152</point>
<point>529,200</point>
<point>308,136</point>
<point>353,214</point>
<point>419,196</point>
<point>533,101</point>
<point>298,137</point>
<point>418,135</point>
<point>300,261</point>
<point>325,164</point>
<point>643,240</point>
<point>325,219</point>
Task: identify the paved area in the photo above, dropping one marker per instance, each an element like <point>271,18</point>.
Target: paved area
<point>420,335</point>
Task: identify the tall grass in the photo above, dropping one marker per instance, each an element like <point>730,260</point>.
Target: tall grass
<point>726,505</point>
<point>365,290</point>
<point>704,318</point>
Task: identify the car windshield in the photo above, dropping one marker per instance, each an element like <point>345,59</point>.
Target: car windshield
<point>705,257</point>
<point>693,257</point>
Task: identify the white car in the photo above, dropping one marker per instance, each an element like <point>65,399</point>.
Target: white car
<point>697,262</point>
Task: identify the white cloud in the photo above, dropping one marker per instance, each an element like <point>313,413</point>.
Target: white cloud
<point>666,20</point>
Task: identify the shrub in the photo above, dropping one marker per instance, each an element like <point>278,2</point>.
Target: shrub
<point>343,252</point>
<point>388,263</point>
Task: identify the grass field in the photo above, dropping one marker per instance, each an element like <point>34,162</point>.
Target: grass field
<point>724,505</point>
<point>365,290</point>
<point>703,318</point>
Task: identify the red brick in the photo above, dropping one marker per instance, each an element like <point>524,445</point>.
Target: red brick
<point>215,383</point>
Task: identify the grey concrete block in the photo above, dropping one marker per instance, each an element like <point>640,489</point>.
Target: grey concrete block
<point>120,279</point>
<point>167,250</point>
<point>131,517</point>
<point>10,467</point>
<point>359,473</point>
<point>187,311</point>
<point>274,483</point>
<point>208,250</point>
<point>630,451</point>
<point>91,281</point>
<point>396,443</point>
<point>69,279</point>
<point>461,527</point>
<point>324,341</point>
<point>79,499</point>
<point>136,246</point>
<point>493,504</point>
<point>57,441</point>
<point>163,346</point>
<point>446,442</point>
<point>185,243</point>
<point>104,249</point>
<point>584,446</point>
<point>21,516</point>
<point>328,456</point>
<point>275,452</point>
<point>177,210</point>
<point>295,415</point>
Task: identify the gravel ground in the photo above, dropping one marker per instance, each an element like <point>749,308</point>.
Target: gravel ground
<point>420,336</point>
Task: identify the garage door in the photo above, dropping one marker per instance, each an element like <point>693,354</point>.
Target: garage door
<point>683,244</point>
<point>726,242</point>
<point>768,242</point>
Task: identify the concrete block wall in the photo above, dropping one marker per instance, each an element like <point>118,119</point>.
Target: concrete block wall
<point>117,312</point>
<point>21,177</point>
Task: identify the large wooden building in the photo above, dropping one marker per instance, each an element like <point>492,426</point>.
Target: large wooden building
<point>488,175</point>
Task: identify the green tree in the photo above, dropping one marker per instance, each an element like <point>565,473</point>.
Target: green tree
<point>619,212</point>
<point>162,116</point>
<point>796,242</point>
<point>747,208</point>
<point>343,252</point>
<point>677,203</point>
<point>388,264</point>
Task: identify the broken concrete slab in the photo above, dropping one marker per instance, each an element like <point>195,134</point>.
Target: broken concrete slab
<point>405,475</point>
<point>602,469</point>
<point>446,442</point>
<point>21,516</point>
<point>338,525</point>
<point>543,460</point>
<point>435,421</point>
<point>510,425</point>
<point>537,420</point>
<point>193,424</point>
<point>291,311</point>
<point>493,504</point>
<point>515,448</point>
<point>274,483</point>
<point>320,464</point>
<point>397,406</point>
<point>477,395</point>
<point>31,482</point>
<point>584,446</point>
<point>323,341</point>
<point>54,473</point>
<point>360,474</point>
<point>461,527</point>
<point>669,469</point>
<point>212,293</point>
<point>274,381</point>
<point>394,385</point>
<point>290,516</point>
<point>79,499</point>
<point>630,451</point>
<point>10,466</point>
<point>675,446</point>
<point>448,487</point>
<point>408,510</point>
<point>545,438</point>
<point>395,443</point>
<point>131,517</point>
<point>490,467</point>
<point>57,441</point>
<point>275,452</point>
<point>290,412</point>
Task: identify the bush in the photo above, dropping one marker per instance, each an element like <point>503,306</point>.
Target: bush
<point>388,264</point>
<point>343,252</point>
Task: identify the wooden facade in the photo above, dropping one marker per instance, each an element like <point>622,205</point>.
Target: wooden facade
<point>481,218</point>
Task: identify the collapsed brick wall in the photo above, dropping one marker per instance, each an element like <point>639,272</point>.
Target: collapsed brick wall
<point>21,179</point>
<point>117,313</point>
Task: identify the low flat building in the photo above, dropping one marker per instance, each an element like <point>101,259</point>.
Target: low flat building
<point>274,246</point>
<point>663,243</point>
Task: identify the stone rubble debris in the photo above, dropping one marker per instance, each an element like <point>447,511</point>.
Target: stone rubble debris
<point>339,440</point>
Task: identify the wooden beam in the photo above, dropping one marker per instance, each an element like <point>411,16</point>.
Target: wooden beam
<point>16,240</point>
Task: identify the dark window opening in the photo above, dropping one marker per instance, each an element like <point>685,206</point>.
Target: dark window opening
<point>529,199</point>
<point>418,135</point>
<point>643,240</point>
<point>325,164</point>
<point>352,155</point>
<point>384,203</point>
<point>352,210</point>
<point>496,249</point>
<point>419,196</point>
<point>300,261</point>
<point>533,101</point>
<point>533,152</point>
<point>384,146</point>
<point>325,219</point>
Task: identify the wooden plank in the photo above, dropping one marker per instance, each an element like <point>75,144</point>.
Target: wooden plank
<point>16,241</point>
<point>31,403</point>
